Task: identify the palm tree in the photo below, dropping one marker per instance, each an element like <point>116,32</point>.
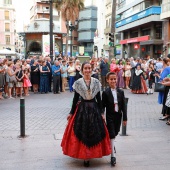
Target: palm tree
<point>69,12</point>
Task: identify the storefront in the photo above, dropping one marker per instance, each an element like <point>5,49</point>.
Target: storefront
<point>141,46</point>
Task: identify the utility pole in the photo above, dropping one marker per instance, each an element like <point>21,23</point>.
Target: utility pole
<point>113,19</point>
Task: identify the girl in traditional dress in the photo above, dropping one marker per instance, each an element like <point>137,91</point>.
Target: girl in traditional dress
<point>139,84</point>
<point>86,135</point>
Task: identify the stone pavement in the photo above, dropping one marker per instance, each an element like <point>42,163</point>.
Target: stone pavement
<point>147,145</point>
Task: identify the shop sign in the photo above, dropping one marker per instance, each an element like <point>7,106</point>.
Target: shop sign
<point>143,49</point>
<point>134,40</point>
<point>136,46</point>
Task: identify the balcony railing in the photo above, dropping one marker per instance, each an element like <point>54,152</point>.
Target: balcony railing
<point>107,30</point>
<point>153,10</point>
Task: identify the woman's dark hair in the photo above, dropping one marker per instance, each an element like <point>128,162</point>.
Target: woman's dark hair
<point>86,62</point>
<point>119,61</point>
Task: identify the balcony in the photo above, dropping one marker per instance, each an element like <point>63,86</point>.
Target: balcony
<point>107,30</point>
<point>165,14</point>
<point>108,2</point>
<point>106,47</point>
<point>154,10</point>
<point>150,14</point>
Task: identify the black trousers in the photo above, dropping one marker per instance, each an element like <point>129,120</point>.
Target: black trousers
<point>56,83</point>
<point>113,124</point>
<point>150,82</point>
<point>49,79</point>
<point>60,84</point>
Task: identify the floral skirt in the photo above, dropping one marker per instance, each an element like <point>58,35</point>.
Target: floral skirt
<point>86,135</point>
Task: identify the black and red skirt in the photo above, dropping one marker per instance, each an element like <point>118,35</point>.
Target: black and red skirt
<point>86,135</point>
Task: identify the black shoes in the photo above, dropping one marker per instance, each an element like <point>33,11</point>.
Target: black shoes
<point>86,163</point>
<point>113,161</point>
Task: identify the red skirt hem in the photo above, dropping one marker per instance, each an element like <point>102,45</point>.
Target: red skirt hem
<point>74,148</point>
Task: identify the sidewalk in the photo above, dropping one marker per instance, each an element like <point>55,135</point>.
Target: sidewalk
<point>147,145</point>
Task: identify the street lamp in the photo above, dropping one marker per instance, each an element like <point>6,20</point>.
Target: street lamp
<point>71,27</point>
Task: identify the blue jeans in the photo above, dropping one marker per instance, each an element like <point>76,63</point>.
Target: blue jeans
<point>71,82</point>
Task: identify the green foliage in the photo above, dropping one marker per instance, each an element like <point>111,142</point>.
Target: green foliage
<point>69,8</point>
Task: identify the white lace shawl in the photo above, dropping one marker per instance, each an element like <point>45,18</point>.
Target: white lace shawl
<point>80,87</point>
<point>138,72</point>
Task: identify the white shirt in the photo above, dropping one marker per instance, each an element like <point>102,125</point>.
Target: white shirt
<point>114,93</point>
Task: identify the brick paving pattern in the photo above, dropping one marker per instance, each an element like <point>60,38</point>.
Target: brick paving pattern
<point>147,145</point>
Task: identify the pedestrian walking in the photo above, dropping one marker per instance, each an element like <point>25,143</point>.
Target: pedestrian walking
<point>86,135</point>
<point>113,100</point>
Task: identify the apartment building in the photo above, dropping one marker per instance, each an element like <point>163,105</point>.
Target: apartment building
<point>140,28</point>
<point>165,16</point>
<point>88,26</point>
<point>7,25</point>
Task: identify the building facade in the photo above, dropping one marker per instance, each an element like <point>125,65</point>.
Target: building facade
<point>165,16</point>
<point>7,25</point>
<point>140,28</point>
<point>87,27</point>
<point>107,26</point>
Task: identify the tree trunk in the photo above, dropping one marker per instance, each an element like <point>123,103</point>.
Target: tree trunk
<point>67,36</point>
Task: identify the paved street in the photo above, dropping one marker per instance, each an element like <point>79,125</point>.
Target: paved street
<point>147,145</point>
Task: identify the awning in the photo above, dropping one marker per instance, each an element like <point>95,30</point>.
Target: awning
<point>150,42</point>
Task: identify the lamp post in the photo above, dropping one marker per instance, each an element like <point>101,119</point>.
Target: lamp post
<point>71,27</point>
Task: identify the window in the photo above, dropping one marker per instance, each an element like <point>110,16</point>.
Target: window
<point>7,39</point>
<point>6,15</point>
<point>7,27</point>
<point>8,2</point>
<point>146,32</point>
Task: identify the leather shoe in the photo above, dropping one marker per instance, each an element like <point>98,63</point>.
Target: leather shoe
<point>113,161</point>
<point>86,163</point>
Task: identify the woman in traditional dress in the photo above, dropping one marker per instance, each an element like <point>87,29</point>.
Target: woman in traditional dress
<point>120,75</point>
<point>139,84</point>
<point>86,135</point>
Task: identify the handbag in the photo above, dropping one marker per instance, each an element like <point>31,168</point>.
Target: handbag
<point>168,100</point>
<point>159,87</point>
